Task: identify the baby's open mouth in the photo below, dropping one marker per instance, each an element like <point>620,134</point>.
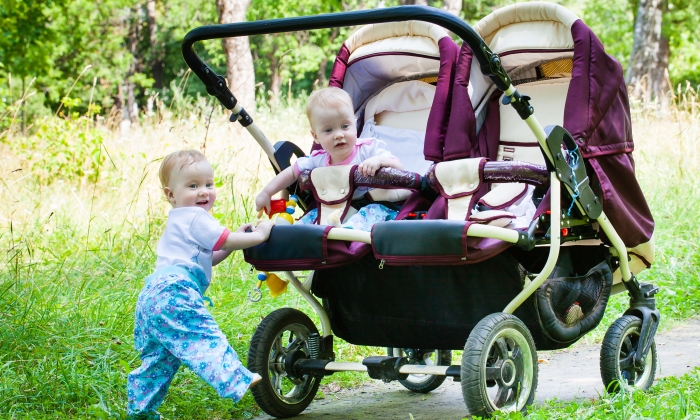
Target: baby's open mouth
<point>202,202</point>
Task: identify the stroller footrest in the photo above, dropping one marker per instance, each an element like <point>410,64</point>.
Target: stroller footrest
<point>385,367</point>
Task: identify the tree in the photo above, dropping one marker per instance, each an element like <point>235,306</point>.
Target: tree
<point>239,60</point>
<point>156,58</point>
<point>453,6</point>
<point>648,69</point>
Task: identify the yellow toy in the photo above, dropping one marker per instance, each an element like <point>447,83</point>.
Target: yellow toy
<point>276,285</point>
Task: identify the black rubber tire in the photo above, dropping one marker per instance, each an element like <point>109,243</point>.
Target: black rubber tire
<point>424,383</point>
<point>279,401</point>
<point>622,335</point>
<point>499,354</point>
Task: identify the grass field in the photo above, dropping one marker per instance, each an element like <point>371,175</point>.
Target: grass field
<point>83,212</point>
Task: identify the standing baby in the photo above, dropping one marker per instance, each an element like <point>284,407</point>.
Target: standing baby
<point>172,324</point>
<point>333,126</point>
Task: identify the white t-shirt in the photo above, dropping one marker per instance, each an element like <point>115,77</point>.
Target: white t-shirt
<point>364,149</point>
<point>190,237</point>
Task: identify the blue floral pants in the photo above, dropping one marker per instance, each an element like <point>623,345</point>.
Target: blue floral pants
<point>174,327</point>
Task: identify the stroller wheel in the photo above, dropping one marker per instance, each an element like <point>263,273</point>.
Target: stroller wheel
<point>616,369</point>
<point>423,383</point>
<point>282,335</point>
<point>499,366</point>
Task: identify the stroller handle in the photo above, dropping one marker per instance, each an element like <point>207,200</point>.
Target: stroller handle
<point>489,61</point>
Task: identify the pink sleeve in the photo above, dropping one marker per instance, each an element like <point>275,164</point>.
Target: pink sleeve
<point>220,242</point>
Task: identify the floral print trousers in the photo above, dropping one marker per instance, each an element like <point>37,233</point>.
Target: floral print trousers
<point>174,327</point>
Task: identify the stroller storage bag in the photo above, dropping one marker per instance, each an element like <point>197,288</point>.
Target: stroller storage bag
<point>569,307</point>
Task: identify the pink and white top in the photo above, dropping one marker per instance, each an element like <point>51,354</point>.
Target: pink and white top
<point>364,149</point>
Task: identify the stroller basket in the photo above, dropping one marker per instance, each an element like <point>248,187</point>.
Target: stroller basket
<point>569,307</point>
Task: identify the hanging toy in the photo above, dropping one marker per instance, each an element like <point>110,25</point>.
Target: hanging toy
<point>256,294</point>
<point>276,285</point>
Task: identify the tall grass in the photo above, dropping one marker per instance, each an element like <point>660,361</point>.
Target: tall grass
<point>77,243</point>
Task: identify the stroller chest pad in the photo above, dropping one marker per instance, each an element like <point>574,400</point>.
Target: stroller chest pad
<point>332,188</point>
<point>457,181</point>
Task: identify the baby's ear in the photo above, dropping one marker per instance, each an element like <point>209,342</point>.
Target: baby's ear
<point>169,195</point>
<point>313,134</point>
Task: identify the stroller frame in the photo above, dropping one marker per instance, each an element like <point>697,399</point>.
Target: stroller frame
<point>550,139</point>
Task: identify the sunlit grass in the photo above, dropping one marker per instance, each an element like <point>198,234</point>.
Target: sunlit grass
<point>75,253</point>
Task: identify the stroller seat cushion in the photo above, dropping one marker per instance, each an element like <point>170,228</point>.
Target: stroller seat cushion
<point>554,15</point>
<point>411,36</point>
<point>398,115</point>
<point>391,195</point>
<point>503,195</point>
<point>498,218</point>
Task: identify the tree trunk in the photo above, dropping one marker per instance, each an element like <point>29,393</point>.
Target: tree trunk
<point>239,61</point>
<point>650,52</point>
<point>156,51</point>
<point>132,112</point>
<point>275,79</point>
<point>453,6</point>
<point>413,2</point>
<point>322,80</point>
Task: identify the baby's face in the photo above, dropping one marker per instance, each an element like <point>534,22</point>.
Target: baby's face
<point>192,186</point>
<point>334,129</point>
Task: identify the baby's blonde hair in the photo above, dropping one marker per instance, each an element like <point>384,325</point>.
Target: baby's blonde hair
<point>178,160</point>
<point>332,97</point>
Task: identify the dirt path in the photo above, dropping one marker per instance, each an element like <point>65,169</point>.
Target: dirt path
<point>570,374</point>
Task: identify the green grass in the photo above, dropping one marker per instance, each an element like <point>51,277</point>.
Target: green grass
<point>670,398</point>
<point>75,252</point>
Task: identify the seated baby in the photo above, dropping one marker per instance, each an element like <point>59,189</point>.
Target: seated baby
<point>333,125</point>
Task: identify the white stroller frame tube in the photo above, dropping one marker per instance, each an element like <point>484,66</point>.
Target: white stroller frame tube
<point>259,137</point>
<point>554,245</point>
<point>318,308</point>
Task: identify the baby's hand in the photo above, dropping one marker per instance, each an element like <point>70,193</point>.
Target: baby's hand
<point>370,166</point>
<point>264,227</point>
<point>245,227</point>
<point>262,202</point>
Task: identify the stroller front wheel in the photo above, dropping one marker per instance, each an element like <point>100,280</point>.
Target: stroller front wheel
<point>499,366</point>
<point>616,368</point>
<point>283,334</point>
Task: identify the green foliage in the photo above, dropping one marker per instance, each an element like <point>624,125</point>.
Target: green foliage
<point>681,23</point>
<point>57,151</point>
<point>299,55</point>
<point>613,23</point>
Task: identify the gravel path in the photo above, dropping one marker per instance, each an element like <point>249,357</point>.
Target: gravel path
<point>567,375</point>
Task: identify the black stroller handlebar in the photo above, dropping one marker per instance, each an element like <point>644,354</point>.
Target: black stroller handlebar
<point>216,85</point>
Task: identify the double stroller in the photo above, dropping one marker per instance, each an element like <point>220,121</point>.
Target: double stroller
<point>510,237</point>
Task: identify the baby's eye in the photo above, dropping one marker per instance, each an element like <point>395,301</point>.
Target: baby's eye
<point>193,185</point>
<point>346,126</point>
<point>327,130</point>
<point>210,185</point>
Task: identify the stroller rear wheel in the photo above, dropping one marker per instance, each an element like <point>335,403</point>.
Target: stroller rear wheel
<point>616,367</point>
<point>280,338</point>
<point>499,366</point>
<point>423,383</point>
